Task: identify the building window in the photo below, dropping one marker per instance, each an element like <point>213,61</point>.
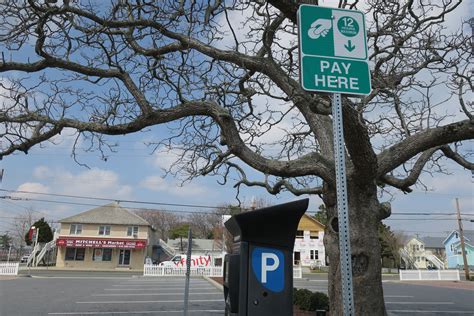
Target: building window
<point>102,254</point>
<point>314,235</point>
<point>421,247</point>
<point>75,229</point>
<point>75,254</point>
<point>313,255</point>
<point>132,230</point>
<point>299,234</point>
<point>104,230</point>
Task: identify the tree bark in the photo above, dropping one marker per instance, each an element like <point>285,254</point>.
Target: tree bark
<point>364,217</point>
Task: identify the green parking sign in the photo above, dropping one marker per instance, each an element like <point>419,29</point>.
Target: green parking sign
<point>333,50</point>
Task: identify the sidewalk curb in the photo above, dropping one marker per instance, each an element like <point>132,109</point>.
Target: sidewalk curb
<point>216,284</point>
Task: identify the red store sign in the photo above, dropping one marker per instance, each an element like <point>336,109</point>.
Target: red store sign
<point>101,243</point>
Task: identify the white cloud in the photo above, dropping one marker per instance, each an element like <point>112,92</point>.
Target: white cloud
<point>31,187</point>
<point>41,172</point>
<point>158,184</point>
<point>164,159</point>
<point>93,183</point>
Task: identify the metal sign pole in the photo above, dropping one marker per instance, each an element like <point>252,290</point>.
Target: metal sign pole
<point>342,208</point>
<point>188,273</point>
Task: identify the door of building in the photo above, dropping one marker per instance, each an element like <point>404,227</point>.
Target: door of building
<point>297,258</point>
<point>124,257</point>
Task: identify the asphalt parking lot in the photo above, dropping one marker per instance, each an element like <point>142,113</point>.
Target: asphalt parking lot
<point>82,293</point>
<point>107,296</point>
<point>425,298</point>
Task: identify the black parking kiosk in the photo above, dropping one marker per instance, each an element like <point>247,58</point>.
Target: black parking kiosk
<point>258,275</point>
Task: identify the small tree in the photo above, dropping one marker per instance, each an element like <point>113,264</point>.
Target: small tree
<point>321,215</point>
<point>6,241</point>
<point>180,232</point>
<point>390,245</point>
<point>45,232</point>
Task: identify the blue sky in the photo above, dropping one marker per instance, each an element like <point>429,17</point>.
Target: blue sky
<point>133,173</point>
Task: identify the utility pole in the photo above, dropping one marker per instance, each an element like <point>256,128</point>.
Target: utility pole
<point>461,236</point>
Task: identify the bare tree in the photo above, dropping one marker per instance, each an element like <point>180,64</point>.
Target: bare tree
<point>224,75</point>
<point>20,226</point>
<point>202,224</point>
<point>162,221</point>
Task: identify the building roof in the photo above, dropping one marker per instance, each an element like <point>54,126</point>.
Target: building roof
<point>468,236</point>
<point>111,213</point>
<point>198,244</point>
<point>311,221</point>
<point>433,242</point>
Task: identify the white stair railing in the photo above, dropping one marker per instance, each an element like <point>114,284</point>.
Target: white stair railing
<point>31,259</point>
<point>50,245</point>
<point>410,261</point>
<point>169,250</point>
<point>436,261</point>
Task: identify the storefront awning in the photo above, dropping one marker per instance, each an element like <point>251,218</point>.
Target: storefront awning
<point>101,242</point>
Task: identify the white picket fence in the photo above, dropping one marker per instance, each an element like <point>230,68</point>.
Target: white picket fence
<point>156,270</point>
<point>10,268</point>
<point>429,275</point>
<point>297,272</point>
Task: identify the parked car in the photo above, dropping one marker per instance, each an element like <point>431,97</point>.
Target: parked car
<point>24,259</point>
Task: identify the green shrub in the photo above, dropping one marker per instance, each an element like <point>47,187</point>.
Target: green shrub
<point>310,301</point>
<point>319,301</point>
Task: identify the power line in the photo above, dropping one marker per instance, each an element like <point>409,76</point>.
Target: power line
<point>428,214</point>
<point>112,200</point>
<point>98,205</point>
<point>424,219</point>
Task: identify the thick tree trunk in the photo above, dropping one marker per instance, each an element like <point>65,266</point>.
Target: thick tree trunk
<point>364,219</point>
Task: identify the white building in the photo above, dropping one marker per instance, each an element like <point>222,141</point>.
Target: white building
<point>309,247</point>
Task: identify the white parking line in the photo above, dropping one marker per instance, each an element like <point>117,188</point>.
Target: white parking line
<point>421,303</point>
<point>80,277</point>
<point>429,312</point>
<point>165,280</point>
<point>162,288</point>
<point>162,284</point>
<point>140,302</point>
<point>156,294</point>
<point>142,312</point>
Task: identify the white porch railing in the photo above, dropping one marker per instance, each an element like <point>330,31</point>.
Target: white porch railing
<point>10,268</point>
<point>156,270</point>
<point>297,272</point>
<point>427,275</point>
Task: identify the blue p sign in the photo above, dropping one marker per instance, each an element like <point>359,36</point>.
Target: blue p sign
<point>268,266</point>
